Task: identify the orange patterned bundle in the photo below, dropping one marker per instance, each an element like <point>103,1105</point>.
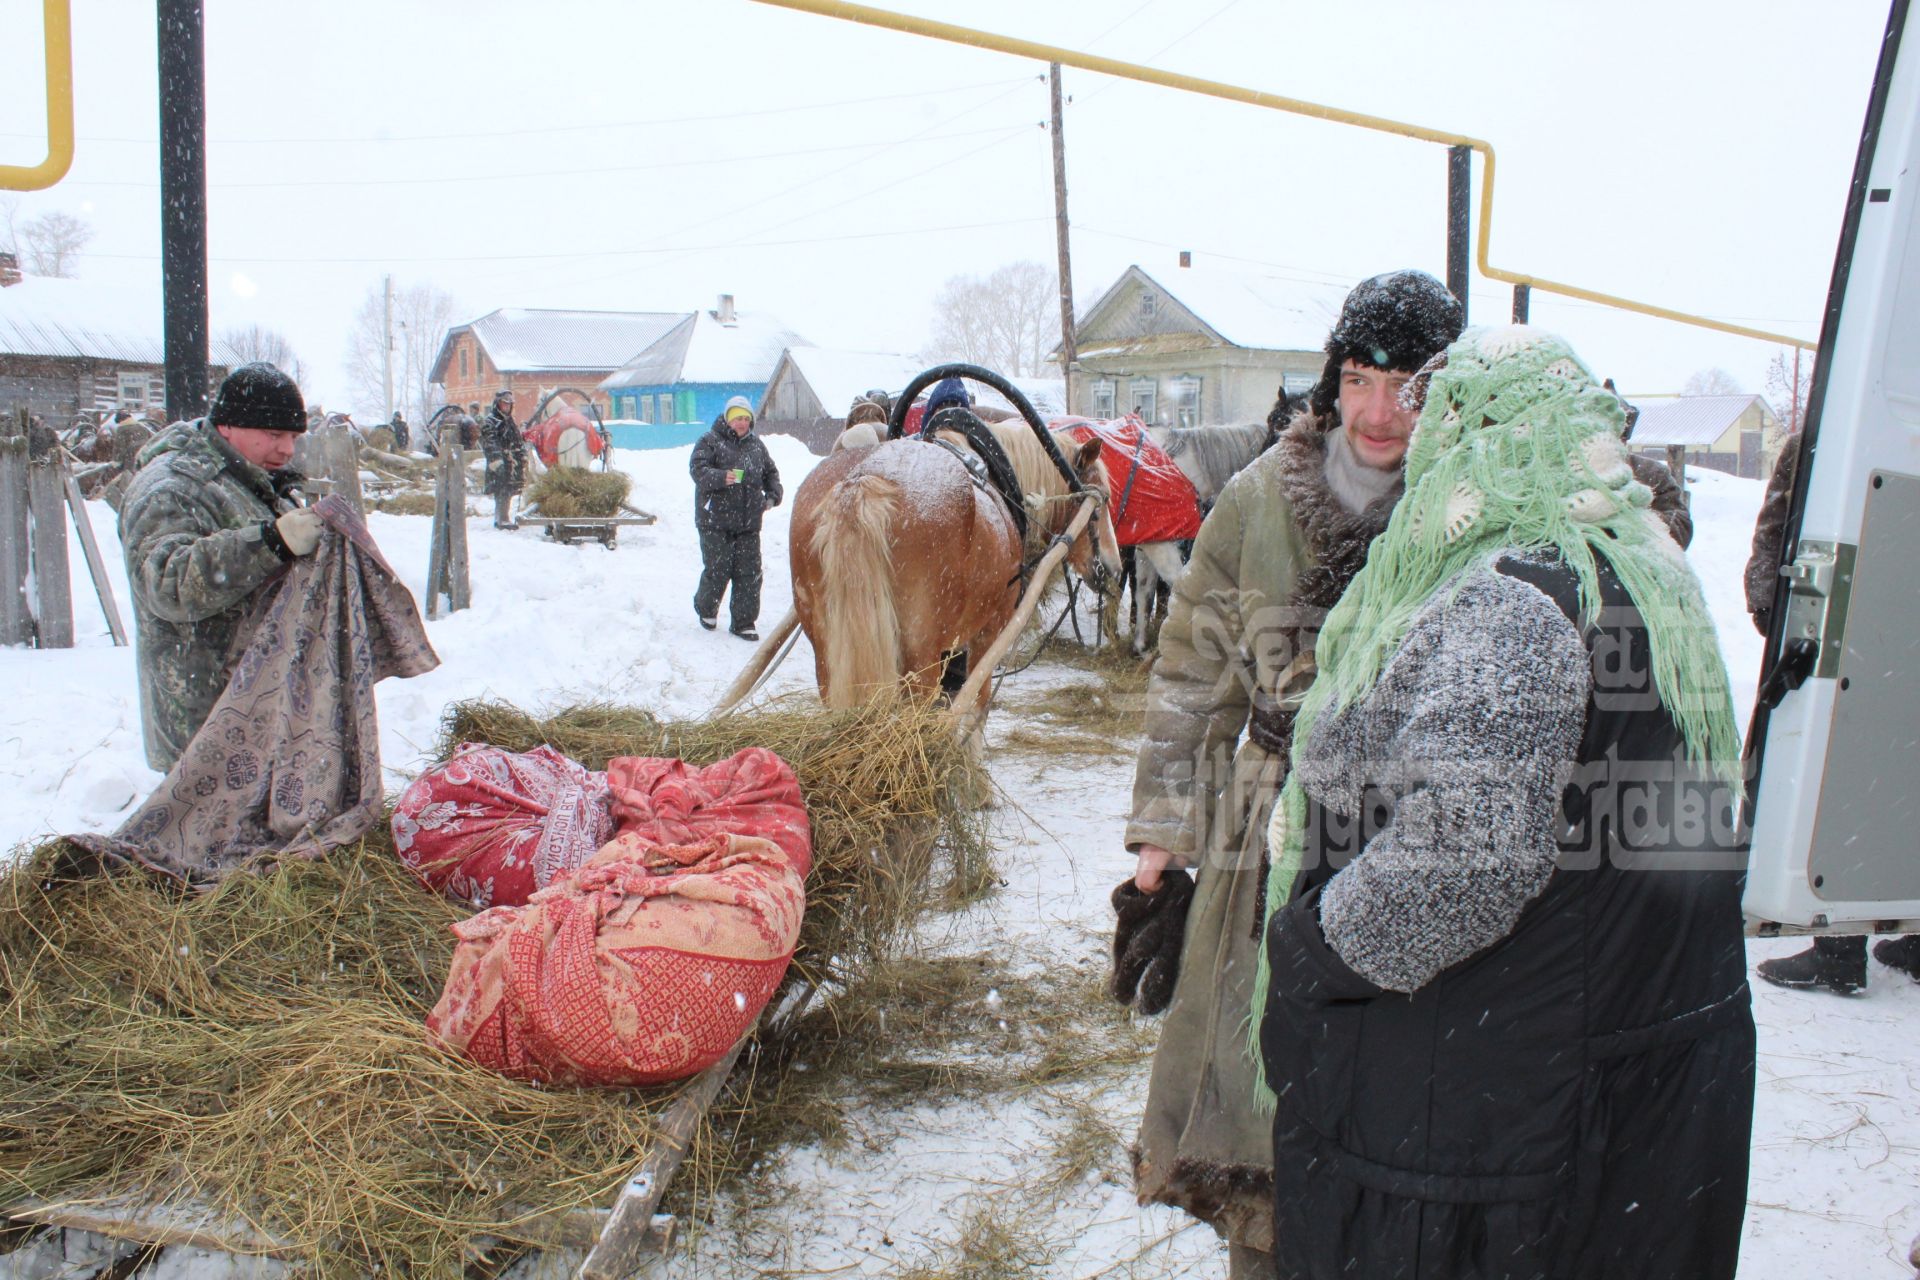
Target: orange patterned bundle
<point>642,967</point>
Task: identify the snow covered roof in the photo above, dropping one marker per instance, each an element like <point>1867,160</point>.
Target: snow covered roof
<point>1694,421</point>
<point>1242,308</point>
<point>836,377</point>
<point>702,349</point>
<point>526,340</point>
<point>77,319</point>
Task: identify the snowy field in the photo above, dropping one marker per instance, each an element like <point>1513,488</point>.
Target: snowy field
<point>1837,1136</point>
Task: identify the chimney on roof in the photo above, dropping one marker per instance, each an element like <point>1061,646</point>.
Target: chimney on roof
<point>724,312</point>
<point>9,270</point>
<point>1186,257</point>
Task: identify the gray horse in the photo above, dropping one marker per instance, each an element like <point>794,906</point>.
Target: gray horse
<point>1209,457</point>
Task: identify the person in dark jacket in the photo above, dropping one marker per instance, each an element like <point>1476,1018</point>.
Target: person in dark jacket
<point>734,481</point>
<point>210,518</point>
<point>506,458</point>
<point>1505,1022</point>
<point>1835,962</point>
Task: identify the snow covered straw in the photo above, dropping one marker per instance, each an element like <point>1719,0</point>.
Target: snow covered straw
<point>1517,447</point>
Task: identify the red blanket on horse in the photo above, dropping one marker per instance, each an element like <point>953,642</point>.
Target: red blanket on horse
<point>1153,501</point>
<point>545,435</point>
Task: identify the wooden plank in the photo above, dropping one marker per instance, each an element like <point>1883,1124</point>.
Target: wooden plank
<point>199,1227</point>
<point>437,544</point>
<point>584,522</point>
<point>970,704</point>
<point>460,586</point>
<point>341,454</point>
<point>631,1233</point>
<point>90,548</point>
<point>53,610</point>
<point>16,619</point>
<point>768,656</point>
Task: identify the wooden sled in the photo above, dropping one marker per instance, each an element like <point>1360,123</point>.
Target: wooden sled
<point>602,529</point>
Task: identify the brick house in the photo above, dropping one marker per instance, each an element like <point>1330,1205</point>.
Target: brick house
<point>534,351</point>
<point>72,348</point>
<point>1207,346</point>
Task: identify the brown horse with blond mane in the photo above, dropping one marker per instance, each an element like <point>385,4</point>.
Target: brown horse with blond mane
<point>902,561</point>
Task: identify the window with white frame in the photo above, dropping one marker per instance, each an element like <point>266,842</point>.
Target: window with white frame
<point>1149,305</point>
<point>666,408</point>
<point>1298,384</point>
<point>1186,400</point>
<point>1143,397</point>
<point>1103,398</point>
<point>641,407</point>
<point>133,391</point>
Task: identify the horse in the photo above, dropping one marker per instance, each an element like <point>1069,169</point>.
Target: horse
<point>902,564</point>
<point>1209,457</point>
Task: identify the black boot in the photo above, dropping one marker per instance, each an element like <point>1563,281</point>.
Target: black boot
<point>1837,964</point>
<point>1900,953</point>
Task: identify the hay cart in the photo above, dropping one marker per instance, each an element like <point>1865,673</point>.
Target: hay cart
<point>551,417</point>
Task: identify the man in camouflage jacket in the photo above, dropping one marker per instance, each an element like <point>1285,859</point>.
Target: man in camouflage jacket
<point>207,521</point>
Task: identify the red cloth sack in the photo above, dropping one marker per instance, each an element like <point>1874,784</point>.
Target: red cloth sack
<point>643,967</point>
<point>545,436</point>
<point>492,827</point>
<point>651,961</point>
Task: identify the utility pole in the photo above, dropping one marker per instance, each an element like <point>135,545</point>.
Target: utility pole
<point>1067,353</point>
<point>386,371</point>
<point>1459,200</point>
<point>183,204</point>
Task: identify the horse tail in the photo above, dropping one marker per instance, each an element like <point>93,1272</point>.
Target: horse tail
<point>857,616</point>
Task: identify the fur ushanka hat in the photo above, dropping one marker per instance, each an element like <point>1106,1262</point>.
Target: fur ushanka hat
<point>1398,321</point>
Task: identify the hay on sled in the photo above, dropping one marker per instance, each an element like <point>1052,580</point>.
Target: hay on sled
<point>566,492</point>
<point>260,1050</point>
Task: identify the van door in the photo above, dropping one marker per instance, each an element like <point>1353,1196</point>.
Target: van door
<point>1834,796</point>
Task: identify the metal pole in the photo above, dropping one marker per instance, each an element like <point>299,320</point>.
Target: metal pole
<point>1459,202</point>
<point>1067,353</point>
<point>386,369</point>
<point>183,203</point>
<point>1522,302</point>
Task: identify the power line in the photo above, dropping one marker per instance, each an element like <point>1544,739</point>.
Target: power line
<point>595,171</point>
<point>567,128</point>
<point>590,253</point>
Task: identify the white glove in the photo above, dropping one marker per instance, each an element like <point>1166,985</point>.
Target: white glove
<point>300,530</point>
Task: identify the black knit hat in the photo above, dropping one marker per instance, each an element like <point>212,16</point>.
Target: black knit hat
<point>259,395</point>
<point>1393,321</point>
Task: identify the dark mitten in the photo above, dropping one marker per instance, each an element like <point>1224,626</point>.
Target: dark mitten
<point>1147,937</point>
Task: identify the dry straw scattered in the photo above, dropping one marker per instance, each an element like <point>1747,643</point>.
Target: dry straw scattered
<point>260,1048</point>
<point>573,491</point>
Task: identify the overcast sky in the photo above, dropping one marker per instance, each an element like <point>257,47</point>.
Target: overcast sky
<point>648,156</point>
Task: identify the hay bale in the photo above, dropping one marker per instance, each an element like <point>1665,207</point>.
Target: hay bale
<point>404,503</point>
<point>570,491</point>
<point>381,438</point>
<point>260,1048</point>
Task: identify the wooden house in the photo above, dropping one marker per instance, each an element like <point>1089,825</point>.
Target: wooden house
<point>532,351</point>
<point>73,348</point>
<point>1196,346</point>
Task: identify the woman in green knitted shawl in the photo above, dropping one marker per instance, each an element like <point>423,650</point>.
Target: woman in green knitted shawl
<point>1463,681</point>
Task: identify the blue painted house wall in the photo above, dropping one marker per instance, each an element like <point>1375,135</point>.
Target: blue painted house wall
<point>690,402</point>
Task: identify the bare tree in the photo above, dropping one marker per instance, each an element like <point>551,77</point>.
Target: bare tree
<point>256,342</point>
<point>422,314</point>
<point>1788,383</point>
<point>1712,382</point>
<point>53,242</point>
<point>1008,320</point>
<point>9,215</point>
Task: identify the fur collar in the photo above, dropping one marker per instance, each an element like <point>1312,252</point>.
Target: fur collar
<point>1336,537</point>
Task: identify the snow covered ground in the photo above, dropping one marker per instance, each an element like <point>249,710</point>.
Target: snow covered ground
<point>1837,1135</point>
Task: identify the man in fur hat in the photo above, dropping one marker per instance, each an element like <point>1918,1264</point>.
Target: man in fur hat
<point>1287,534</point>
<point>208,520</point>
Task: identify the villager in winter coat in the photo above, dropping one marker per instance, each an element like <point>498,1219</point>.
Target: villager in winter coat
<point>1286,535</point>
<point>506,458</point>
<point>1506,1024</point>
<point>734,482</point>
<point>206,521</point>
